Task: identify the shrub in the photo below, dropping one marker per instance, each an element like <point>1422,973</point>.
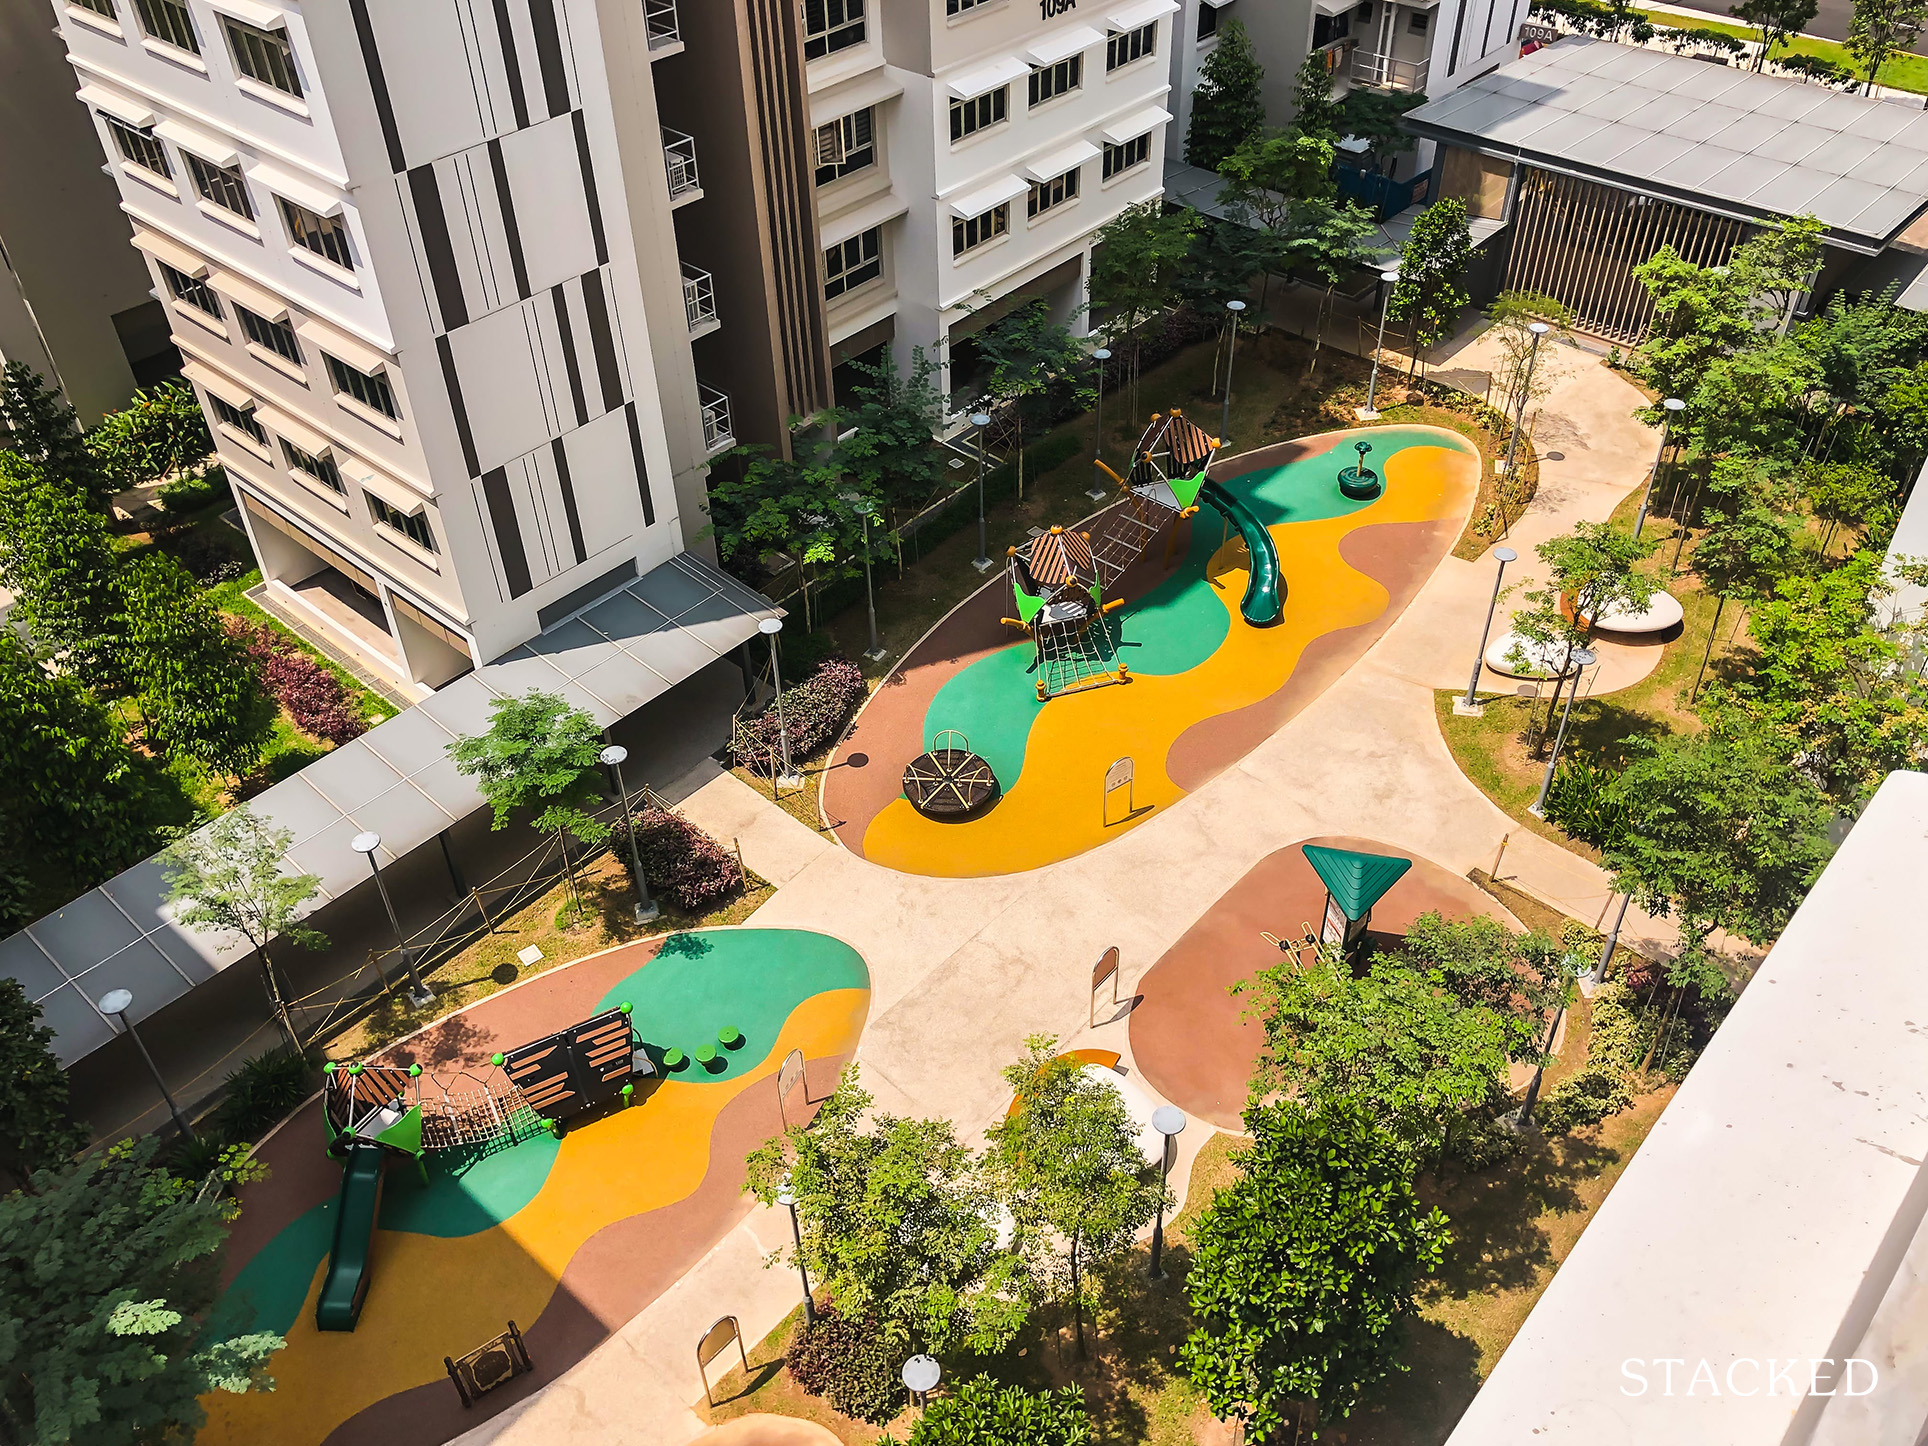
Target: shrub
<point>159,433</point>
<point>194,1158</point>
<point>1585,800</point>
<point>846,1363</point>
<point>191,493</point>
<point>1584,1098</point>
<point>682,863</point>
<point>263,1091</point>
<point>1479,1143</point>
<point>206,558</point>
<point>313,696</point>
<point>814,712</point>
<point>983,1413</point>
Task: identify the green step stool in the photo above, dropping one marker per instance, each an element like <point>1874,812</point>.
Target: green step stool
<point>730,1037</point>
<point>674,1059</point>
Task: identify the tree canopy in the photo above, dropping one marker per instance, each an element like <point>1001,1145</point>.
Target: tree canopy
<point>36,1130</point>
<point>540,753</point>
<point>1227,109</point>
<point>1429,294</point>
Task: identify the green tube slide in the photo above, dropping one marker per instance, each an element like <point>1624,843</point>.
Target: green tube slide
<point>1264,599</point>
<point>356,1210</point>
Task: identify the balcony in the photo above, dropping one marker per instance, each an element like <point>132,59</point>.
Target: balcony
<point>1387,72</point>
<point>659,18</point>
<point>679,156</point>
<point>717,436</point>
<point>699,300</point>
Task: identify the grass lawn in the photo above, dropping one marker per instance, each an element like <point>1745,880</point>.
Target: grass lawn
<point>1902,71</point>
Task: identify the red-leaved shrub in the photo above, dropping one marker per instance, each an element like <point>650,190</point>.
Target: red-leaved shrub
<point>813,713</point>
<point>313,696</point>
<point>682,863</point>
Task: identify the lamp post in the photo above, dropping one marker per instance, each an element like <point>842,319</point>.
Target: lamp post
<point>1368,413</point>
<point>1169,1121</point>
<point>646,910</point>
<point>1581,660</point>
<point>117,1002</point>
<point>1599,975</point>
<point>920,1377</point>
<point>982,562</point>
<point>1539,329</point>
<point>366,844</point>
<point>789,778</point>
<point>1100,356</point>
<point>1525,1117</point>
<point>1671,408</point>
<point>787,1198</point>
<point>1237,309</point>
<point>1467,705</point>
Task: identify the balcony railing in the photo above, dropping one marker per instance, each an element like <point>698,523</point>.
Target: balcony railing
<point>659,17</point>
<point>716,418</point>
<point>679,155</point>
<point>699,297</point>
<point>1387,72</point>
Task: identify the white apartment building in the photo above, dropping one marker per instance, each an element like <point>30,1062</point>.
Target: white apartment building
<point>420,259</point>
<point>967,153</point>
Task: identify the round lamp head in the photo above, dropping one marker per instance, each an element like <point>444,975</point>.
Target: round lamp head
<point>1168,1120</point>
<point>1538,328</point>
<point>1505,554</point>
<point>785,1195</point>
<point>1582,658</point>
<point>1391,277</point>
<point>770,627</point>
<point>980,419</point>
<point>612,755</point>
<point>921,1374</point>
<point>365,843</point>
<point>1102,354</point>
<point>116,1001</point>
<point>1674,404</point>
<point>1235,307</point>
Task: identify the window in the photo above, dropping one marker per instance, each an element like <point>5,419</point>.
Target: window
<point>1124,46</point>
<point>372,392</point>
<point>1329,30</point>
<point>1419,19</point>
<point>221,184</point>
<point>847,144</point>
<point>830,26</point>
<point>239,418</point>
<point>323,235</point>
<point>99,7</point>
<point>958,7</point>
<point>849,264</point>
<point>969,233</point>
<point>1048,82</point>
<point>139,147</point>
<point>275,336</point>
<point>1134,152</point>
<point>1054,192</point>
<point>979,112</point>
<point>412,525</point>
<point>168,20</point>
<point>197,294</point>
<point>1207,20</point>
<point>315,469</point>
<point>263,55</point>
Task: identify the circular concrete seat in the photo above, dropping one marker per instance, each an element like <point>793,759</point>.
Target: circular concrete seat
<point>1662,612</point>
<point>1536,660</point>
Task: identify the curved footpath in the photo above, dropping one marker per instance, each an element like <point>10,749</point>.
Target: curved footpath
<point>963,969</point>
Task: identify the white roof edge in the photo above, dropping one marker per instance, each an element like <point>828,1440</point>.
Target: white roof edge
<point>980,199</point>
<point>1055,163</point>
<point>1129,127</point>
<point>980,78</point>
<point>1130,17</point>
<point>1059,44</point>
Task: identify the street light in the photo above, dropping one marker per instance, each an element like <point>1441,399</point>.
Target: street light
<point>366,844</point>
<point>1169,1121</point>
<point>982,562</point>
<point>789,778</point>
<point>1237,308</point>
<point>867,510</point>
<point>1525,1116</point>
<point>1599,974</point>
<point>1539,329</point>
<point>1390,279</point>
<point>1466,705</point>
<point>1671,408</point>
<point>646,910</point>
<point>788,1198</point>
<point>1581,660</point>
<point>117,1002</point>
<point>1100,356</point>
<point>920,1377</point>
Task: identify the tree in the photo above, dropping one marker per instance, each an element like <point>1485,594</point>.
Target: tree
<point>1372,115</point>
<point>538,753</point>
<point>1850,495</point>
<point>1879,28</point>
<point>896,1223</point>
<point>1028,357</point>
<point>983,1413</point>
<point>1483,964</point>
<point>108,1270</point>
<point>1267,173</point>
<point>889,451</point>
<point>1227,108</point>
<point>59,563</point>
<point>44,431</point>
<point>1777,20</point>
<point>1314,111</point>
<point>36,1130</point>
<point>229,876</point>
<point>1749,542</point>
<point>1137,260</point>
<point>1519,379</point>
<point>1428,293</point>
<point>1304,1264</point>
<point>1331,243</point>
<point>199,694</point>
<point>160,433</point>
<point>1066,1164</point>
<point>772,503</point>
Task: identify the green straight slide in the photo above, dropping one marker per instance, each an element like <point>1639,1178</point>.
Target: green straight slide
<point>357,1207</point>
<point>1264,599</point>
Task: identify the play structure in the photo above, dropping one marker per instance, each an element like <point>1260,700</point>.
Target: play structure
<point>374,1113</point>
<point>948,780</point>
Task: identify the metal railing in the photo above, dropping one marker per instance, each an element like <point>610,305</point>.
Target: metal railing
<point>716,418</point>
<point>1388,72</point>
<point>679,155</point>
<point>699,297</point>
<point>659,17</point>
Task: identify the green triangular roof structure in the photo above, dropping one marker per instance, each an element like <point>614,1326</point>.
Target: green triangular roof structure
<point>1357,881</point>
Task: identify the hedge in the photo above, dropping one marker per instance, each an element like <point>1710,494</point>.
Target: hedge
<point>682,863</point>
<point>814,712</point>
<point>847,1364</point>
<point>313,696</point>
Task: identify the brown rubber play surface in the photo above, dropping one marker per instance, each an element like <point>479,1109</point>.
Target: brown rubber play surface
<point>1187,1036</point>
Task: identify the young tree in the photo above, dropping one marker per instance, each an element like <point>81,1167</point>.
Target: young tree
<point>36,1130</point>
<point>59,563</point>
<point>1331,243</point>
<point>1846,495</point>
<point>1879,28</point>
<point>199,693</point>
<point>897,1225</point>
<point>1749,542</point>
<point>109,1269</point>
<point>890,452</point>
<point>1372,115</point>
<point>1777,20</point>
<point>1483,964</point>
<point>1428,294</point>
<point>44,432</point>
<point>538,753</point>
<point>982,1413</point>
<point>1066,1163</point>
<point>1589,570</point>
<point>1137,260</point>
<point>1028,357</point>
<point>160,433</point>
<point>1227,109</point>
<point>1519,379</point>
<point>1267,174</point>
<point>1314,111</point>
<point>1303,1266</point>
<point>229,876</point>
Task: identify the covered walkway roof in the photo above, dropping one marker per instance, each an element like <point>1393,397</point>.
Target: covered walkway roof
<point>610,659</point>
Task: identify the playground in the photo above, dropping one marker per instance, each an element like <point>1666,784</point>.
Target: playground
<point>1116,663</point>
<point>554,1157</point>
